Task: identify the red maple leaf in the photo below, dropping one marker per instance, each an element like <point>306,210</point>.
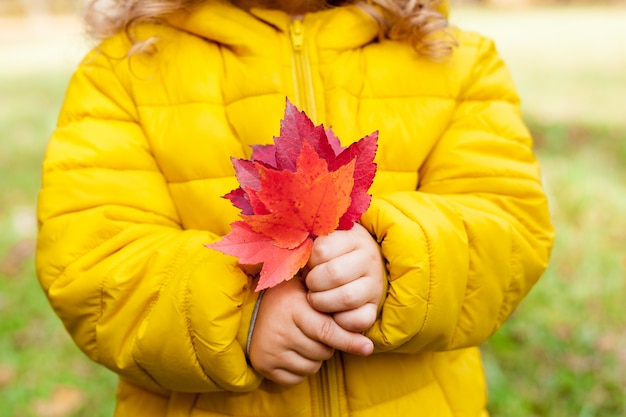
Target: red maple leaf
<point>306,203</point>
<point>303,186</point>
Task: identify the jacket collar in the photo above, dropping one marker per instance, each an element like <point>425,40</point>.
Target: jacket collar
<point>245,32</point>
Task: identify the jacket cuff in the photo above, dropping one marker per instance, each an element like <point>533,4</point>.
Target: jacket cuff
<point>249,311</point>
<point>381,303</point>
<point>255,312</point>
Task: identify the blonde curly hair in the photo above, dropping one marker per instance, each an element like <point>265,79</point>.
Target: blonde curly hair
<point>416,21</point>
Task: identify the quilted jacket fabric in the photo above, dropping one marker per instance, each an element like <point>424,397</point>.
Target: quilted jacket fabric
<point>132,186</point>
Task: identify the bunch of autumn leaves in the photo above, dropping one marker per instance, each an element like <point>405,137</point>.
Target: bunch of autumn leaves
<point>303,186</point>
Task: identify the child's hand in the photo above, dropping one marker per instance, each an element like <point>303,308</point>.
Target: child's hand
<point>346,277</point>
<point>290,339</point>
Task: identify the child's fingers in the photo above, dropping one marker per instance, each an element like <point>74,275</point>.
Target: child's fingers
<point>279,349</point>
<point>314,350</point>
<point>329,247</point>
<point>283,376</point>
<point>332,274</point>
<point>342,257</point>
<point>348,296</point>
<point>293,371</point>
<point>323,328</point>
<point>339,271</point>
<point>359,319</point>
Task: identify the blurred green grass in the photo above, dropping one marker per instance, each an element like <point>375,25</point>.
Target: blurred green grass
<point>563,353</point>
<point>36,355</point>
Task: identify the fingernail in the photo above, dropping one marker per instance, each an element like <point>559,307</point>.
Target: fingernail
<point>368,348</point>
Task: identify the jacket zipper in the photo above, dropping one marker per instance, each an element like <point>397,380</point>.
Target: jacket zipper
<point>303,80</point>
<point>328,382</point>
<point>329,388</point>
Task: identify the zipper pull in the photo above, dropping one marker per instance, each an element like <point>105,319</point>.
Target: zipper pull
<point>297,35</point>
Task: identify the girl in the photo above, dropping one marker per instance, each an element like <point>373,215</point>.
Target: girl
<point>387,317</point>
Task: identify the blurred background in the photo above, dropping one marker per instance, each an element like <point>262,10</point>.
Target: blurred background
<point>562,354</point>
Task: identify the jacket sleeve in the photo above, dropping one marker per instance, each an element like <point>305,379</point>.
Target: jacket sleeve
<point>466,246</point>
<point>137,293</point>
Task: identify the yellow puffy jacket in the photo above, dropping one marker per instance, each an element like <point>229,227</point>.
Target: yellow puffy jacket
<point>132,186</point>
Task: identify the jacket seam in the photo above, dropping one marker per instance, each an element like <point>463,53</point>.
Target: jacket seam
<point>132,118</point>
<point>175,221</point>
<point>153,171</point>
<point>458,100</point>
<point>361,97</point>
<point>84,115</point>
<point>473,177</point>
<point>512,101</point>
<point>218,177</point>
<point>414,96</point>
<point>187,180</point>
<point>179,104</point>
<point>249,96</point>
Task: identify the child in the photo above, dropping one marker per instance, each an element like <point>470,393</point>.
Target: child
<point>386,318</point>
